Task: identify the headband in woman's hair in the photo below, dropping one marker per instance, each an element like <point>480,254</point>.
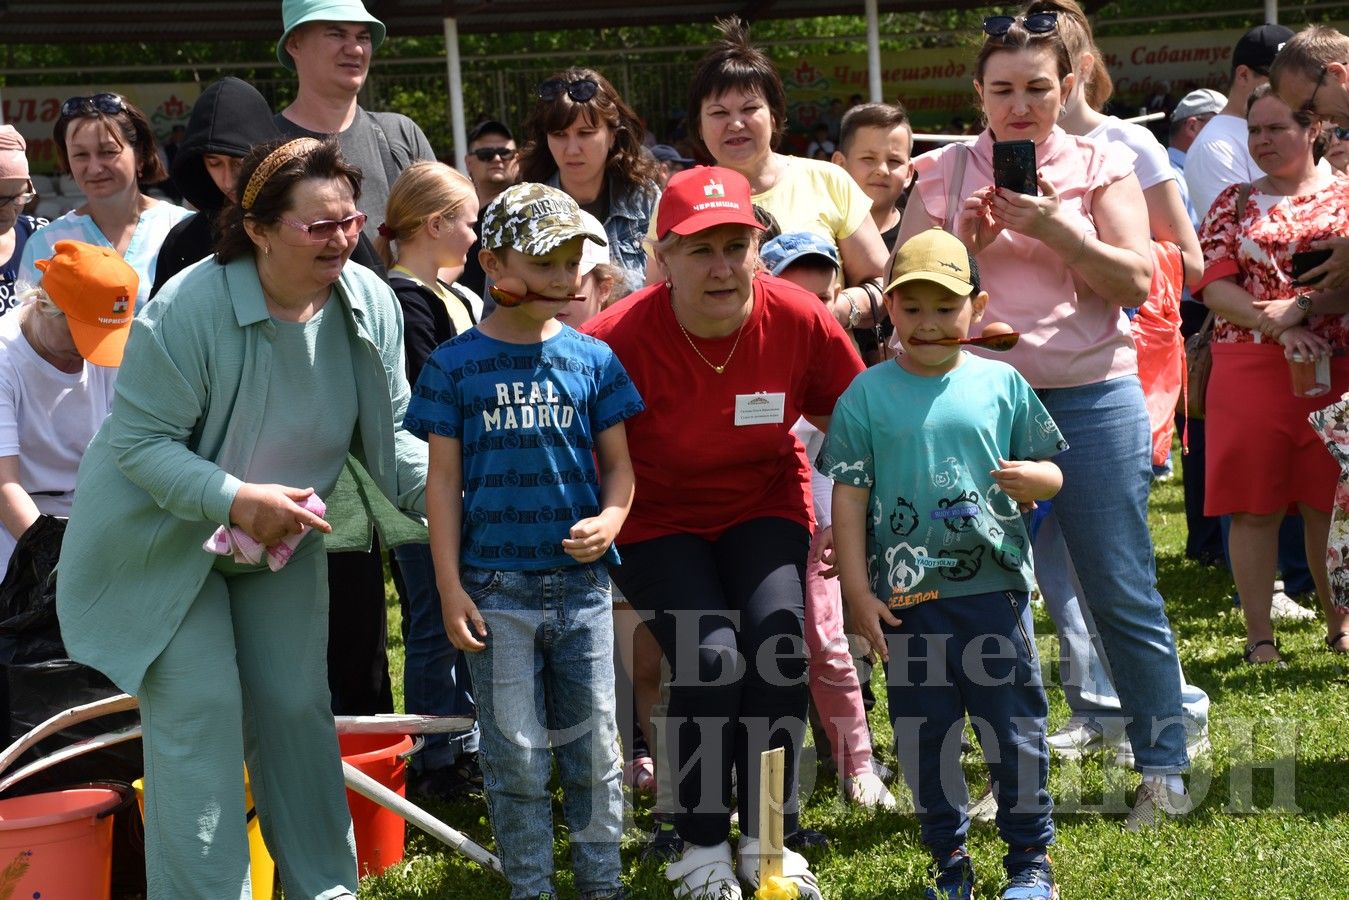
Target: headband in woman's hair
<point>295,149</point>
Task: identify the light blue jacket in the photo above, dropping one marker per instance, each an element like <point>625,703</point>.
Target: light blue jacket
<point>158,477</point>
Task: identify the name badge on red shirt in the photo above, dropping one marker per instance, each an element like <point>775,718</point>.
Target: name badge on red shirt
<point>760,408</point>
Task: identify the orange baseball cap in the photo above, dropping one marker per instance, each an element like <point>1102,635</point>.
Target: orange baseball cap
<point>96,289</point>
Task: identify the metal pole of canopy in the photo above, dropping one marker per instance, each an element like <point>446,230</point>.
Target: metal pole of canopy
<point>1272,12</point>
<point>874,50</point>
<point>456,82</point>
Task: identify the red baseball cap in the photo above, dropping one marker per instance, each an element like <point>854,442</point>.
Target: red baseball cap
<point>702,197</point>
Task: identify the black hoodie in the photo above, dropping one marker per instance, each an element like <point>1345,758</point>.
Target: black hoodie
<point>230,118</point>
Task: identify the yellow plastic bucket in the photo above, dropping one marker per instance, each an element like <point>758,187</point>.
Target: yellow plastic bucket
<point>262,868</point>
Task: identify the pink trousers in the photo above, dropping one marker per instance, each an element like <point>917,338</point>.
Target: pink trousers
<point>834,688</point>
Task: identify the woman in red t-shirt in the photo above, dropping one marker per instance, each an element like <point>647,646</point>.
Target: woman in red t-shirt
<point>715,546</point>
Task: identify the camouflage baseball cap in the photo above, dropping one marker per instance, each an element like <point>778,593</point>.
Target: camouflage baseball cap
<point>533,219</point>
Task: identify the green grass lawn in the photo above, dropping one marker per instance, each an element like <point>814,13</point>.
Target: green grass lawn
<point>1273,822</point>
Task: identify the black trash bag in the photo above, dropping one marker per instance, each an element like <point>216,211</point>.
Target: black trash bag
<point>40,691</point>
<point>29,632</point>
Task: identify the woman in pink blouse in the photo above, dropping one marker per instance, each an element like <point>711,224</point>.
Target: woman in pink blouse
<point>1263,456</point>
<point>1060,267</point>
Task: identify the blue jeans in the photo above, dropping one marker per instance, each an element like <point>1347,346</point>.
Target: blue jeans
<point>1103,511</point>
<point>1087,683</point>
<point>975,654</point>
<point>546,679</point>
<point>436,681</point>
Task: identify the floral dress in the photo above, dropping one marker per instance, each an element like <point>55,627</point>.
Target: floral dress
<point>1256,249</point>
<point>1332,425</point>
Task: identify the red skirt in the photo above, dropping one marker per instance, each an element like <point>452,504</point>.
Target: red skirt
<point>1262,455</point>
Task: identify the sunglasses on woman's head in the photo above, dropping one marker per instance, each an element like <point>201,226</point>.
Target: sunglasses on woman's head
<point>106,103</point>
<point>1035,23</point>
<point>323,230</point>
<point>487,154</point>
<point>582,90</point>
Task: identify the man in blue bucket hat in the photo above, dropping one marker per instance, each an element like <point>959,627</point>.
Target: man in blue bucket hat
<point>329,44</point>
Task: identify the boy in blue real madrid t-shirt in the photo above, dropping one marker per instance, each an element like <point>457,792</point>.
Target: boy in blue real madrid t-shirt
<point>933,457</point>
<point>516,411</point>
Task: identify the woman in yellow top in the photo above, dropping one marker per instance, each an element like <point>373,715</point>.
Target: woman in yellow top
<point>738,112</point>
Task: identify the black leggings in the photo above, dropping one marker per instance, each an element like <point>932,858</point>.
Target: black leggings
<point>728,614</point>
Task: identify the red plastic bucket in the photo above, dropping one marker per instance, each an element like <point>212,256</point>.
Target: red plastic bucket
<point>59,844</point>
<point>379,832</point>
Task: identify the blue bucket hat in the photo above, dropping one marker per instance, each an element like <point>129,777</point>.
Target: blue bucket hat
<point>295,13</point>
<point>785,249</point>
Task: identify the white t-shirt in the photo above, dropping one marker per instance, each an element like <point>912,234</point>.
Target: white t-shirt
<point>1152,166</point>
<point>47,419</point>
<point>1218,157</point>
<point>821,485</point>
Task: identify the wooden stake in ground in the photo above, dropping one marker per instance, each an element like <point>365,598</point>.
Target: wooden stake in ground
<point>772,766</point>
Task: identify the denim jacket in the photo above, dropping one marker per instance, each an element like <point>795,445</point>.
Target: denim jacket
<point>630,212</point>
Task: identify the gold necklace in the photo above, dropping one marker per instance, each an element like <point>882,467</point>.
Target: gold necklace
<point>715,368</point>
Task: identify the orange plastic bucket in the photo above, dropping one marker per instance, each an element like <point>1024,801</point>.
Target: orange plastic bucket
<point>59,844</point>
<point>379,832</point>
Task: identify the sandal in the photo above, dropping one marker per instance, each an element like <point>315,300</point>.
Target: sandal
<point>1334,639</point>
<point>1249,655</point>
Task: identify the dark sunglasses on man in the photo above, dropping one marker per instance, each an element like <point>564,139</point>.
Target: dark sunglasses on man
<point>108,104</point>
<point>1035,23</point>
<point>487,154</point>
<point>583,90</point>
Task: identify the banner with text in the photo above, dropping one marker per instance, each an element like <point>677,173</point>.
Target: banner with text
<point>33,111</point>
<point>937,84</point>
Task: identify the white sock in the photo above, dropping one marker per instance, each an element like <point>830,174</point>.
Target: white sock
<point>1173,783</point>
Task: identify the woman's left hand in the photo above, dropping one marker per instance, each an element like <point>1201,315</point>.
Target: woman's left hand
<point>269,512</point>
<point>589,540</point>
<point>1303,341</point>
<point>1033,216</point>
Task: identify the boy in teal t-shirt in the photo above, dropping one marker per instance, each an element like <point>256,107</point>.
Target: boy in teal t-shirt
<point>935,457</point>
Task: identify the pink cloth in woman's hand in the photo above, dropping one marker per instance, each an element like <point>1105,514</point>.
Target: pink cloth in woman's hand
<point>232,541</point>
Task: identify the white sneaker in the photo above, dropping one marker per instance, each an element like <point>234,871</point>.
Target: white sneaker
<point>882,771</point>
<point>705,873</point>
<point>1153,803</point>
<point>868,791</point>
<point>794,866</point>
<point>1284,608</point>
<point>1075,739</point>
